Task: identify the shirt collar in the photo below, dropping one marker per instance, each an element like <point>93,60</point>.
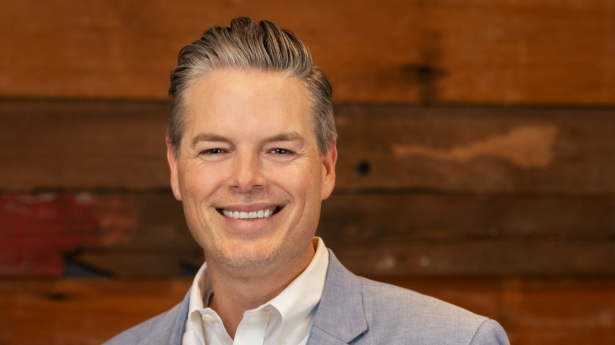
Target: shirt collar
<point>298,301</point>
<point>296,304</point>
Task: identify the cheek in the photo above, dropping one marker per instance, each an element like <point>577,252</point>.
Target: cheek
<point>199,181</point>
<point>301,180</point>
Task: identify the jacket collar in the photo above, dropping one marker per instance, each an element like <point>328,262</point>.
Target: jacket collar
<point>169,330</point>
<point>340,317</point>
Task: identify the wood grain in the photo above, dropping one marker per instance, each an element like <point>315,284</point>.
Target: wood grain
<point>90,311</point>
<point>539,51</point>
<point>70,145</point>
<point>145,235</point>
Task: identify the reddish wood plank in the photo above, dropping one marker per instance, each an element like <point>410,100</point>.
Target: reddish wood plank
<point>132,235</point>
<point>539,51</point>
<point>36,229</point>
<point>532,311</point>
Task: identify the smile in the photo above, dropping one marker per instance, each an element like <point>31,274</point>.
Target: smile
<point>250,215</point>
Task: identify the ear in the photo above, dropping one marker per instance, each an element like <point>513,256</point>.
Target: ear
<point>173,166</point>
<point>328,168</point>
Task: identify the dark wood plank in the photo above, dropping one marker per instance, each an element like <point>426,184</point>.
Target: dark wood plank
<point>536,151</point>
<point>349,220</point>
<point>90,311</point>
<point>468,150</point>
<point>394,51</point>
<point>376,235</point>
<point>83,145</point>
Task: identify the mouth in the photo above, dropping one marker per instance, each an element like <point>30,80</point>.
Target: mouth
<point>252,215</point>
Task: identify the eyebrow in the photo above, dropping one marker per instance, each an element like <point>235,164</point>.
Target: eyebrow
<point>292,136</point>
<point>209,137</point>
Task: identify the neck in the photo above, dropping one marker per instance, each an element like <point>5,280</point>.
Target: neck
<point>238,290</point>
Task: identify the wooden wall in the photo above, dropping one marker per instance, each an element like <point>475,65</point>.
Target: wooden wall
<point>475,158</point>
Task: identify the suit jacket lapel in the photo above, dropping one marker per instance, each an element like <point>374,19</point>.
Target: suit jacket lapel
<point>340,317</point>
<point>170,329</point>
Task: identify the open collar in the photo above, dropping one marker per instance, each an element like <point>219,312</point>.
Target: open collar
<point>340,317</point>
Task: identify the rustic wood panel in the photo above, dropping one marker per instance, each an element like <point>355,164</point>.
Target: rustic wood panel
<point>539,51</point>
<point>475,150</point>
<point>388,219</point>
<point>378,235</point>
<point>125,235</point>
<point>76,145</point>
<point>533,311</point>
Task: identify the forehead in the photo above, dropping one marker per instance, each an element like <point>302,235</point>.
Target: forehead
<point>234,100</point>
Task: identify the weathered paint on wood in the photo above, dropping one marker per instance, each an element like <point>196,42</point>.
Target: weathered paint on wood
<point>145,235</point>
<point>540,51</point>
<point>532,311</point>
<point>36,229</point>
<point>467,150</point>
<point>124,235</point>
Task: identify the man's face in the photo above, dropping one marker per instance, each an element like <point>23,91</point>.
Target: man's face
<point>248,150</point>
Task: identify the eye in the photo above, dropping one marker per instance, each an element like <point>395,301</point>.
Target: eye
<point>280,151</point>
<point>213,152</point>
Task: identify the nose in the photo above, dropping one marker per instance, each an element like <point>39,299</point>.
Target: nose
<point>246,175</point>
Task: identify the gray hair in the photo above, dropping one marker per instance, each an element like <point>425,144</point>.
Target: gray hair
<point>246,45</point>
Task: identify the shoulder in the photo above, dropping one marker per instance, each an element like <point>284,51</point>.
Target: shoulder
<point>401,315</point>
<point>162,324</point>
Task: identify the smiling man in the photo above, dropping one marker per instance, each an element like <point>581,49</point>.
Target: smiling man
<point>252,150</point>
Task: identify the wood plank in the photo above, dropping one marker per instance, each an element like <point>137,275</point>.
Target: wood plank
<point>481,258</point>
<point>400,235</point>
<point>90,311</point>
<point>349,220</point>
<point>539,51</point>
<point>536,151</point>
<point>83,145</point>
<point>469,150</point>
<point>124,235</point>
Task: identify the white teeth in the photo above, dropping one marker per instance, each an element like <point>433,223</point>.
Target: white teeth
<point>246,215</point>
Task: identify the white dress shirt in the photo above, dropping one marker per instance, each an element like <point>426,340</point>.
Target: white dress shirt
<point>285,320</point>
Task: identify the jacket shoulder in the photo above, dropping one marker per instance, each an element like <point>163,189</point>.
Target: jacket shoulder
<point>162,323</point>
<point>397,316</point>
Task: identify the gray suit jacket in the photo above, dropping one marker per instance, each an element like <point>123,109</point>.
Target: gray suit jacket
<point>354,310</point>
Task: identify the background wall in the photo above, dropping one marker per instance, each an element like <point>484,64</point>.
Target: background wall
<point>476,158</point>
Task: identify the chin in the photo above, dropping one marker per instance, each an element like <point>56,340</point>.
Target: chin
<point>247,256</point>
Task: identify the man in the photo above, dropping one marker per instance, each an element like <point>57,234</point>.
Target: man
<point>251,147</point>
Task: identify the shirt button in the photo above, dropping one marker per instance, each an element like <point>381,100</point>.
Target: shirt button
<point>207,318</point>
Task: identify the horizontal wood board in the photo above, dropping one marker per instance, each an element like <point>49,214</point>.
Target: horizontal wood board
<point>499,51</point>
<point>90,311</point>
<point>97,145</point>
<point>380,235</point>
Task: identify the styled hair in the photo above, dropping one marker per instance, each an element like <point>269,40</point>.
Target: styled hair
<point>248,45</point>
